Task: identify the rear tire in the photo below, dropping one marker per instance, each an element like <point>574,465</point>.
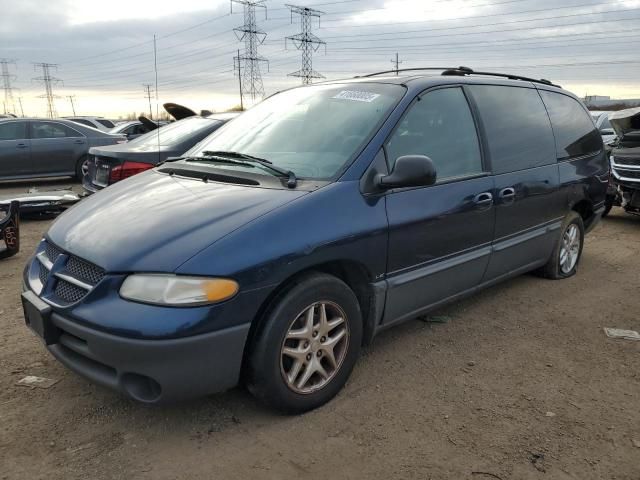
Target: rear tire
<point>308,346</point>
<point>568,250</point>
<point>82,167</point>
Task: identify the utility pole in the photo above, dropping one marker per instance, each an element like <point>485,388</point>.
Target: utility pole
<point>251,82</point>
<point>305,41</point>
<point>397,63</point>
<point>147,87</point>
<point>237,65</point>
<point>73,107</point>
<point>48,81</point>
<point>6,83</point>
<point>21,109</point>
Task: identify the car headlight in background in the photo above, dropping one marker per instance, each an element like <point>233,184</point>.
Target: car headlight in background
<point>176,290</point>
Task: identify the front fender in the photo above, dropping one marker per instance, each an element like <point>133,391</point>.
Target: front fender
<point>331,224</point>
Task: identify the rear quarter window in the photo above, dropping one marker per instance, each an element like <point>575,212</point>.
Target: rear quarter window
<point>106,123</point>
<point>82,121</point>
<point>516,125</point>
<point>574,131</point>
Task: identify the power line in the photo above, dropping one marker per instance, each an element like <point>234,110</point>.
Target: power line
<point>186,29</point>
<point>48,81</point>
<point>305,41</point>
<point>252,36</point>
<point>466,17</point>
<point>6,81</point>
<point>510,22</point>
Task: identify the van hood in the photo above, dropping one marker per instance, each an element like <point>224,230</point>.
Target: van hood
<point>153,222</point>
<point>625,121</point>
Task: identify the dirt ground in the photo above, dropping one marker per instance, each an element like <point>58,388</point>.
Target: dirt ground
<point>518,382</point>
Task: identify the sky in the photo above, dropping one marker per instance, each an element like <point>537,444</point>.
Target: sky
<point>104,49</point>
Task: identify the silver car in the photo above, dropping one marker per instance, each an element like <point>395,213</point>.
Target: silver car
<point>32,147</point>
<point>601,119</point>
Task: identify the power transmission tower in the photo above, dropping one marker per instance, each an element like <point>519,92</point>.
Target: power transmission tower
<point>48,81</point>
<point>251,78</point>
<point>6,81</point>
<point>21,109</point>
<point>305,41</point>
<point>147,88</point>
<point>73,106</point>
<point>397,63</point>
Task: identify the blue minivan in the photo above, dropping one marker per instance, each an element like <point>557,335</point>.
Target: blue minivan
<point>274,249</point>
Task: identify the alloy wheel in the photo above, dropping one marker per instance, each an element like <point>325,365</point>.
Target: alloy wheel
<point>85,168</point>
<point>314,347</point>
<point>570,249</point>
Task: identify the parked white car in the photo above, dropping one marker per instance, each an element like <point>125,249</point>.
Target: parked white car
<point>100,123</point>
<point>601,119</point>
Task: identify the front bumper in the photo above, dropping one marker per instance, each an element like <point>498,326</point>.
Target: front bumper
<point>150,371</point>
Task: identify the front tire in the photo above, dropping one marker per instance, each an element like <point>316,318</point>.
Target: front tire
<point>568,250</point>
<point>308,346</point>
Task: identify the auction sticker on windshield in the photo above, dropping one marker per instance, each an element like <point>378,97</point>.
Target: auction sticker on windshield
<point>357,96</point>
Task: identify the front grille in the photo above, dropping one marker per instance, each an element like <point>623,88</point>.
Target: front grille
<point>69,292</point>
<point>52,252</point>
<point>628,173</point>
<point>84,270</point>
<point>43,274</point>
<point>620,161</point>
<point>70,281</point>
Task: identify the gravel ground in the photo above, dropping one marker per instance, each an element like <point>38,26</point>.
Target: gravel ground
<point>518,382</point>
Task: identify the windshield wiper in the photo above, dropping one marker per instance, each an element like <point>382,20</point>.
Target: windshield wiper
<point>291,182</point>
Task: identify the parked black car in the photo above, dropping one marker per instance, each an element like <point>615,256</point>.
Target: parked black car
<point>624,189</point>
<point>325,214</point>
<point>108,165</point>
<point>33,147</point>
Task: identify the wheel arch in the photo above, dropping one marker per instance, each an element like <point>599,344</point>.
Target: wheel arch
<point>584,208</point>
<point>353,273</point>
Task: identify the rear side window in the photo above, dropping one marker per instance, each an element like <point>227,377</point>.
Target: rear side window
<point>574,130</point>
<point>105,123</point>
<point>82,121</point>
<point>441,127</point>
<point>605,124</point>
<point>52,130</point>
<point>517,127</point>
<point>13,130</point>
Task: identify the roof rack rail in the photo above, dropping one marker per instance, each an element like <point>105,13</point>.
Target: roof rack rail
<point>407,70</point>
<point>463,71</point>
<point>467,71</point>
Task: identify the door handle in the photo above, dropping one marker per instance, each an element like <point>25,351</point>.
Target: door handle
<point>483,199</point>
<point>78,142</point>
<point>508,194</point>
<point>21,145</point>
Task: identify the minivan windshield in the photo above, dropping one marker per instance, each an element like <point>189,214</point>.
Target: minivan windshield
<point>175,132</point>
<point>313,131</point>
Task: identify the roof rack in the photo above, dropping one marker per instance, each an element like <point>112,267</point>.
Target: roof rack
<point>463,71</point>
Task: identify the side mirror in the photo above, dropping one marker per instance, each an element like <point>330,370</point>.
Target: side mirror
<point>410,171</point>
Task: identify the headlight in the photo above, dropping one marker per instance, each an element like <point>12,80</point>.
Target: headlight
<point>176,290</point>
